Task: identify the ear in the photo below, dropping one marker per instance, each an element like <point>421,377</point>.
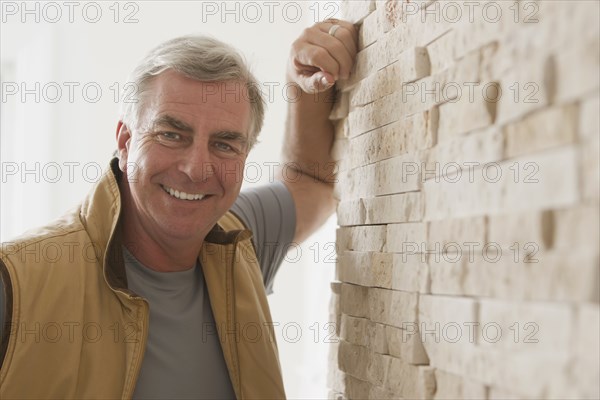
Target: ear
<point>123,138</point>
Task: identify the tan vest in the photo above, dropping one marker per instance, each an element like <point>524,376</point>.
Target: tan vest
<point>76,331</point>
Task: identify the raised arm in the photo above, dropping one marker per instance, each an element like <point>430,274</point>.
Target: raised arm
<point>321,56</point>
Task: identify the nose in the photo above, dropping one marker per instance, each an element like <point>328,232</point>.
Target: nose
<point>196,163</point>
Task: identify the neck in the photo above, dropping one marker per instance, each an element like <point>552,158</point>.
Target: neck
<point>156,250</point>
<point>163,256</point>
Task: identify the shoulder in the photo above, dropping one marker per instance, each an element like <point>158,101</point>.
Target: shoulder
<point>49,238</point>
<point>268,204</point>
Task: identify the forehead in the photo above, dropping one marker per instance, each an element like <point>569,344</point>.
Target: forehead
<point>198,101</point>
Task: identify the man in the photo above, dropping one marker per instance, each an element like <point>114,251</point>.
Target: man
<point>161,249</point>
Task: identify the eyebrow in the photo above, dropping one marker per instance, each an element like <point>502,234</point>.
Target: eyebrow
<point>172,122</point>
<point>231,135</point>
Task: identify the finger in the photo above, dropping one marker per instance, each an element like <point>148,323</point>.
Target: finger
<point>346,24</point>
<point>336,48</point>
<point>321,81</point>
<point>324,44</point>
<point>316,82</point>
<point>346,33</point>
<point>315,56</point>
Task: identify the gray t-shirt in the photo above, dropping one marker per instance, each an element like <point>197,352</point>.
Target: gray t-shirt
<point>183,357</point>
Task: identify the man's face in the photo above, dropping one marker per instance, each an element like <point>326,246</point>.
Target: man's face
<point>184,160</point>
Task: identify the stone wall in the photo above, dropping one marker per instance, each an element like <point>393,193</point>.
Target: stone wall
<point>468,260</point>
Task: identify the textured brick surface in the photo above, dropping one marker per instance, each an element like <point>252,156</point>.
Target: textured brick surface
<point>466,152</point>
<point>365,268</point>
<point>442,52</point>
<point>575,227</point>
<point>452,387</point>
<point>411,65</point>
<point>412,133</point>
<point>341,107</point>
<point>404,207</point>
<point>401,236</point>
<point>464,114</point>
<point>453,235</point>
<point>518,230</point>
<point>392,307</point>
<point>544,129</point>
<point>586,366</point>
<point>405,345</point>
<point>545,180</point>
<point>533,326</point>
<point>354,300</point>
<point>524,273</point>
<point>410,381</point>
<point>371,29</point>
<point>373,179</point>
<point>357,10</point>
<point>363,332</point>
<point>362,238</point>
<point>468,139</point>
<point>535,275</point>
<point>410,272</point>
<point>579,78</point>
<point>589,118</point>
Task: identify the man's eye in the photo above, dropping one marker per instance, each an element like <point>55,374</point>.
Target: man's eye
<point>170,135</point>
<point>225,147</point>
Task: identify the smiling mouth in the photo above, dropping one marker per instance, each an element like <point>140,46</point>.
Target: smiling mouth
<point>183,195</point>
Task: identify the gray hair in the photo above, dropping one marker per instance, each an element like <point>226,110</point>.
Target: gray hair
<point>202,58</point>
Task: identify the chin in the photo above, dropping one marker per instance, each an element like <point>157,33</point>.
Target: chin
<point>183,231</point>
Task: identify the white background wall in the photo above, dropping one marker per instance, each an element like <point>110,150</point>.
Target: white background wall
<point>54,139</point>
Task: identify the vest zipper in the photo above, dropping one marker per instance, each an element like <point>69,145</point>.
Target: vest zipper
<point>141,349</point>
<point>231,317</point>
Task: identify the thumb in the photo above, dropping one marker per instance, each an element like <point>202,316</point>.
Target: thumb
<point>319,82</point>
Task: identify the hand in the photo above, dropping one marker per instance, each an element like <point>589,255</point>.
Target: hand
<point>318,58</point>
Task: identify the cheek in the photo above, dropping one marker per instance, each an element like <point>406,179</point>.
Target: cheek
<point>232,173</point>
<point>133,166</point>
<point>142,159</point>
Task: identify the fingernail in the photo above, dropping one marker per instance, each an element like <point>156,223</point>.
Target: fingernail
<point>324,82</point>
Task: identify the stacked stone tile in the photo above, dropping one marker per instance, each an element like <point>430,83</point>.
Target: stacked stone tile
<point>468,256</point>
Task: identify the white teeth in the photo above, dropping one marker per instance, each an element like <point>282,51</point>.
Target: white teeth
<point>182,195</point>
